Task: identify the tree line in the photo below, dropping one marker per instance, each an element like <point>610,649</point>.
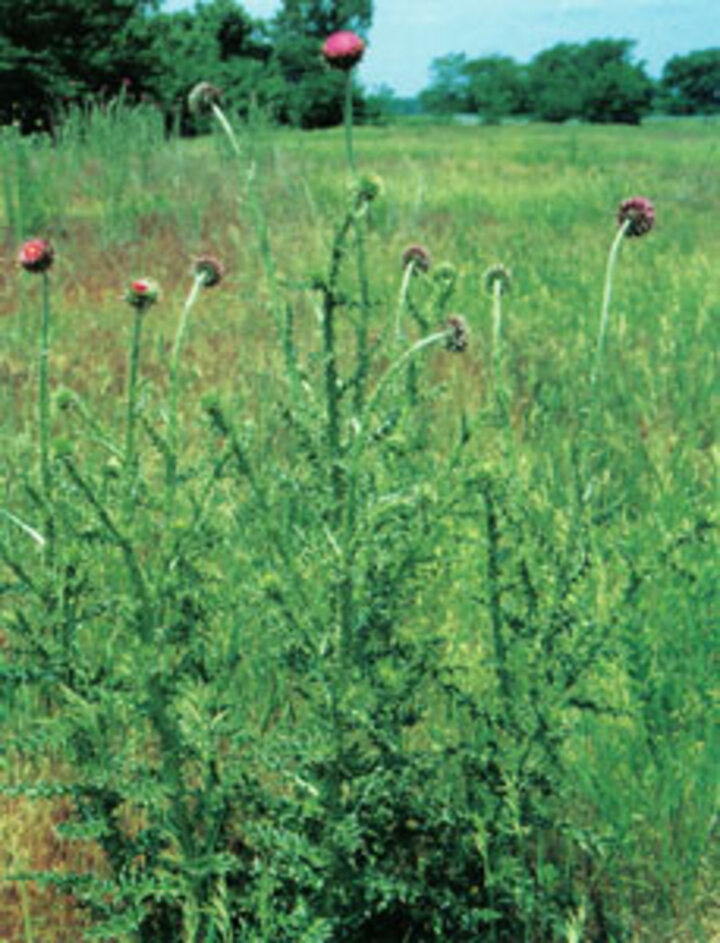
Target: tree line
<point>63,53</point>
<point>597,81</point>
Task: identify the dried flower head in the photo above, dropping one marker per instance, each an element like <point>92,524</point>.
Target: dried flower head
<point>209,269</point>
<point>498,275</point>
<point>343,50</point>
<point>142,293</point>
<point>36,255</point>
<point>418,257</point>
<point>639,213</point>
<point>202,98</point>
<point>458,334</point>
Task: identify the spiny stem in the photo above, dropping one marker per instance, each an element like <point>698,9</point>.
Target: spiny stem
<point>44,390</point>
<point>408,273</point>
<point>349,124</point>
<point>227,128</point>
<point>607,292</point>
<point>172,462</point>
<point>131,414</point>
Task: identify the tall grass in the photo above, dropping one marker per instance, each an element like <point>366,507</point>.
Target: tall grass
<point>428,661</point>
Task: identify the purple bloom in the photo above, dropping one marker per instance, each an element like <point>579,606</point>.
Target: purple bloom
<point>640,213</point>
<point>418,257</point>
<point>343,50</point>
<point>36,255</point>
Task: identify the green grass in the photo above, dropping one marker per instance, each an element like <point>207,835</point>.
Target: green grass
<point>605,498</point>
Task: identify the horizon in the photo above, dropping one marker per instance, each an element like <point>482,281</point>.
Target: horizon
<point>521,29</point>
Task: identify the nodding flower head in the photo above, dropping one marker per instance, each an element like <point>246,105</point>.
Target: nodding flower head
<point>497,275</point>
<point>202,98</point>
<point>343,50</point>
<point>445,274</point>
<point>639,213</point>
<point>209,270</point>
<point>36,255</point>
<point>458,334</point>
<point>142,293</point>
<point>418,257</point>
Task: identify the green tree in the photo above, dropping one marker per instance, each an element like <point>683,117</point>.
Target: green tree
<point>449,89</point>
<point>55,51</point>
<point>497,86</point>
<point>219,42</point>
<point>691,84</point>
<point>596,81</point>
<point>313,95</point>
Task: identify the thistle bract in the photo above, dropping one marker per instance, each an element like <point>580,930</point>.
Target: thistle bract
<point>639,212</point>
<point>36,255</point>
<point>343,50</point>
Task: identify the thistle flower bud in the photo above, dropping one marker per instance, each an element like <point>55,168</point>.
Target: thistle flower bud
<point>209,269</point>
<point>498,274</point>
<point>418,257</point>
<point>458,334</point>
<point>202,98</point>
<point>640,213</point>
<point>65,399</point>
<point>36,255</point>
<point>142,293</point>
<point>343,50</point>
<point>446,275</point>
<point>367,188</point>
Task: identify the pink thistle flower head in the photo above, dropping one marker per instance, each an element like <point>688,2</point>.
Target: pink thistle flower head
<point>36,255</point>
<point>639,213</point>
<point>142,293</point>
<point>418,257</point>
<point>343,50</point>
<point>209,270</point>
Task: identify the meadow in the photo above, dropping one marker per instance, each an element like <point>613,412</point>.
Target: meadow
<point>351,598</point>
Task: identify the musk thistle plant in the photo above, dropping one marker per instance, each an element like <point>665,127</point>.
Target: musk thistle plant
<point>635,217</point>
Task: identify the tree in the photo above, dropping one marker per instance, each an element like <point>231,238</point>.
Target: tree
<point>497,86</point>
<point>449,91</point>
<point>55,51</point>
<point>314,94</point>
<point>596,81</point>
<point>614,89</point>
<point>691,84</point>
<point>220,43</point>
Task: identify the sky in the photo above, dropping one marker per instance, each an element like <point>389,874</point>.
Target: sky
<point>408,34</point>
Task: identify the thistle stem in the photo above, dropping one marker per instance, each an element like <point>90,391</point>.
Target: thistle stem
<point>349,124</point>
<point>131,414</point>
<point>172,461</point>
<point>44,390</point>
<point>607,292</point>
<point>402,298</point>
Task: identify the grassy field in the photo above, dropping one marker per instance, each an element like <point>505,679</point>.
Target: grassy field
<point>365,644</point>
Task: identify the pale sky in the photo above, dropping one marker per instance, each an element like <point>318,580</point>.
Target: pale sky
<point>408,34</point>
